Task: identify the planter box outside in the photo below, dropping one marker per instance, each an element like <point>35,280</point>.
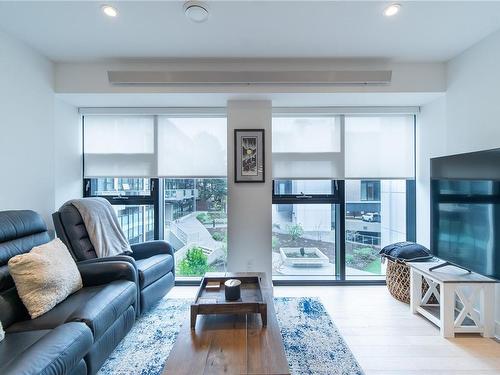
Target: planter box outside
<point>313,257</point>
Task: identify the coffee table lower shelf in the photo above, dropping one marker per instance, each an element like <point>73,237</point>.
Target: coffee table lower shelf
<point>240,309</point>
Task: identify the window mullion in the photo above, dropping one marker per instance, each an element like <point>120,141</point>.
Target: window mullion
<point>340,226</point>
<point>156,190</point>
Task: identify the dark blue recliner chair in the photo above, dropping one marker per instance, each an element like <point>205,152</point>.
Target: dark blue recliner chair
<point>153,260</point>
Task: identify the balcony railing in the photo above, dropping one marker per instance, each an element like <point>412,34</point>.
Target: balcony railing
<point>178,194</point>
<point>357,238</point>
<point>185,237</point>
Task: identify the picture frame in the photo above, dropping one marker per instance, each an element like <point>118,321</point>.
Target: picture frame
<point>249,155</point>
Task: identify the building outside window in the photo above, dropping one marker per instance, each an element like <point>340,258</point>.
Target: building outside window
<point>371,223</point>
<point>370,190</point>
<point>180,198</point>
<point>137,222</point>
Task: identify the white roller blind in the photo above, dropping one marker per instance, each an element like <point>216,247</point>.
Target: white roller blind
<point>119,146</point>
<point>379,147</point>
<point>307,147</point>
<point>192,147</point>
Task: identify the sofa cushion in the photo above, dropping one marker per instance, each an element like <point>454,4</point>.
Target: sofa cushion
<point>45,276</point>
<point>153,268</point>
<point>16,343</point>
<point>56,351</point>
<point>76,234</point>
<point>97,306</point>
<point>20,231</point>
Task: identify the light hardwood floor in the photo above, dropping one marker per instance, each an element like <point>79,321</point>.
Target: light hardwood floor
<point>387,339</point>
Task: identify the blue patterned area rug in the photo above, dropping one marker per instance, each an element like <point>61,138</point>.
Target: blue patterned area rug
<point>313,344</point>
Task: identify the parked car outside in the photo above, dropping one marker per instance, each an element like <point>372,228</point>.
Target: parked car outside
<point>372,217</point>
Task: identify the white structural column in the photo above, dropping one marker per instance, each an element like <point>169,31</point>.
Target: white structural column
<point>249,204</point>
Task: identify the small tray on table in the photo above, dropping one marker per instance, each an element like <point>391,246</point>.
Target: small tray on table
<point>213,300</point>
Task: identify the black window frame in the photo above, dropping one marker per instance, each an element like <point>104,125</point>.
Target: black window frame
<point>338,198</point>
<point>153,199</point>
<point>308,198</point>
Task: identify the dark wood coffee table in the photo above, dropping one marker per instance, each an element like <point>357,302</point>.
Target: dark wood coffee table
<point>232,343</point>
<point>213,301</point>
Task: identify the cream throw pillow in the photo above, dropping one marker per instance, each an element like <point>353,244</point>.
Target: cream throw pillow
<point>2,333</point>
<point>45,276</point>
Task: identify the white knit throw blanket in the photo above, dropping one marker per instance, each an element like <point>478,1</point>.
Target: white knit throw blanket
<point>103,227</point>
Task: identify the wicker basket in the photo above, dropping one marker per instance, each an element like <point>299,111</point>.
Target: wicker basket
<point>398,281</point>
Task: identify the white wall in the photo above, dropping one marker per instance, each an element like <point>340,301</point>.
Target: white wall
<point>27,131</point>
<point>466,120</point>
<point>68,153</point>
<point>249,204</point>
<point>473,98</point>
<point>40,136</point>
<point>431,141</point>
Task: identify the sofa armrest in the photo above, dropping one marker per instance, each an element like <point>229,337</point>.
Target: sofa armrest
<point>116,258</point>
<point>97,272</point>
<point>148,249</point>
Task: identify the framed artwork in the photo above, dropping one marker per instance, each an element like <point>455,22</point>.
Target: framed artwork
<point>249,155</point>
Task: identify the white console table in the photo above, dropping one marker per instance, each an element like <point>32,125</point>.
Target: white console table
<point>466,300</point>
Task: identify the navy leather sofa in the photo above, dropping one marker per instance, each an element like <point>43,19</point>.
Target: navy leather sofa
<point>77,335</point>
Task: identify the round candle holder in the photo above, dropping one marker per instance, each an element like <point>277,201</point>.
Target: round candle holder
<point>232,289</point>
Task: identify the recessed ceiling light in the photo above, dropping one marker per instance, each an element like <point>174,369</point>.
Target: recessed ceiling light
<point>196,11</point>
<point>109,11</point>
<point>392,10</point>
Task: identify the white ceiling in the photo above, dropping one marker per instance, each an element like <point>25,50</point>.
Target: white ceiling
<point>423,31</point>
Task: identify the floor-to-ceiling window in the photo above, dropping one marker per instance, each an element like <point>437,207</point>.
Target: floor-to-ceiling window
<point>192,153</point>
<point>166,178</point>
<point>307,157</point>
<point>343,189</point>
<point>379,188</point>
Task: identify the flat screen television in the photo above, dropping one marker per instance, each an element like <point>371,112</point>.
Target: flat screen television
<point>465,211</point>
